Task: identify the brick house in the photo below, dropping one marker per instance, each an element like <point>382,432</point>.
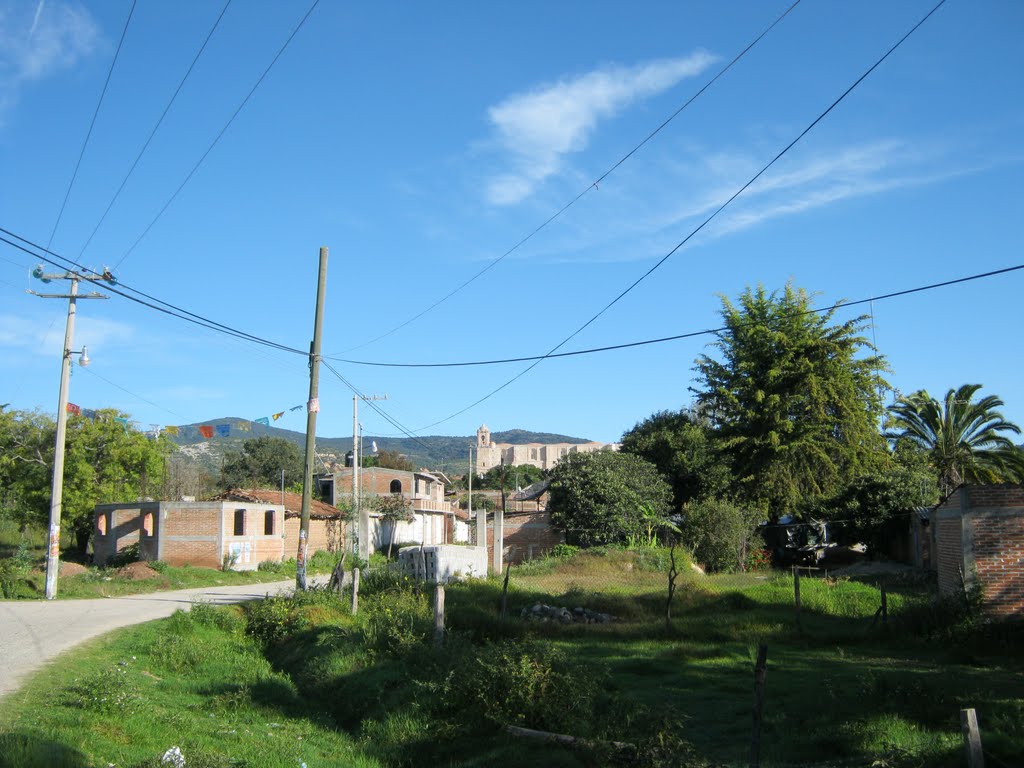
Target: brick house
<point>246,527</point>
<point>434,520</point>
<point>527,532</point>
<point>979,540</point>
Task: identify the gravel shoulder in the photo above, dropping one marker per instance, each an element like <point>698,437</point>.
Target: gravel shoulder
<point>34,632</point>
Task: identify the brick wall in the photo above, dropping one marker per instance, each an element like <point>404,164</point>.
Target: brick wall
<point>323,534</point>
<point>526,535</point>
<point>981,531</point>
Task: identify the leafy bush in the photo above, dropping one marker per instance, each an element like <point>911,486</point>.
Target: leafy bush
<point>397,622</point>
<point>270,566</point>
<point>125,556</point>
<point>563,551</point>
<point>719,534</point>
<point>272,619</point>
<point>107,690</point>
<point>159,566</point>
<point>532,684</point>
<point>223,618</point>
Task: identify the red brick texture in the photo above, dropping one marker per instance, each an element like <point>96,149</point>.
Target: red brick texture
<point>526,535</point>
<point>981,531</point>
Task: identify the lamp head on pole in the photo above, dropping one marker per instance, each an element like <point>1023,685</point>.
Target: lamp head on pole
<point>83,358</point>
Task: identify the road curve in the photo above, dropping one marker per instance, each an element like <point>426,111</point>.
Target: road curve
<point>33,632</point>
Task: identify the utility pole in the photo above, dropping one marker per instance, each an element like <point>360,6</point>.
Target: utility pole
<point>312,408</point>
<point>362,516</point>
<point>57,489</point>
<point>499,527</point>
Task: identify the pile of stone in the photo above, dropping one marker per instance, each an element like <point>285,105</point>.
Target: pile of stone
<point>552,613</point>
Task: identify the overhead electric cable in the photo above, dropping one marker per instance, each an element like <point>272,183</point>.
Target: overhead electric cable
<point>593,185</point>
<point>129,392</point>
<point>701,226</point>
<point>218,136</point>
<point>156,127</point>
<point>92,123</point>
<point>168,309</point>
<point>391,420</point>
<point>677,337</point>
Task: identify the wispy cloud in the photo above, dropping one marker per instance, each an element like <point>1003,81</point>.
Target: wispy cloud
<point>35,336</point>
<point>537,129</point>
<point>37,42</point>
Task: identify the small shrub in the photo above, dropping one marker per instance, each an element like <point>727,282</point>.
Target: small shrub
<point>272,619</point>
<point>125,556</point>
<point>397,623</point>
<point>222,618</point>
<point>563,551</point>
<point>108,690</point>
<point>270,566</point>
<point>159,566</point>
<point>229,561</point>
<point>719,534</point>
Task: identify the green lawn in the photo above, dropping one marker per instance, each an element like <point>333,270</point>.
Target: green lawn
<point>240,686</point>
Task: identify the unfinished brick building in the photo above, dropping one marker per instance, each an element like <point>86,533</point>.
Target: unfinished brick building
<point>239,528</point>
<point>979,537</point>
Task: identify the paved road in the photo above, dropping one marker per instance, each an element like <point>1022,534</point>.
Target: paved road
<point>33,632</point>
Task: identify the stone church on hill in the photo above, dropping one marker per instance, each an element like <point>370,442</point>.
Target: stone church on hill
<point>541,455</point>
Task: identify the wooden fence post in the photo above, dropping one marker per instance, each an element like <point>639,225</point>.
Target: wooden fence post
<point>355,591</point>
<point>885,606</point>
<point>796,594</point>
<point>972,738</point>
<point>760,671</point>
<point>504,591</point>
<point>439,614</point>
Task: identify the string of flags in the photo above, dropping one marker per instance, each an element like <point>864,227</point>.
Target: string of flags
<point>206,431</point>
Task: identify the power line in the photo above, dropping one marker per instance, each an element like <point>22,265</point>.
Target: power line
<point>92,123</point>
<point>380,411</point>
<point>593,185</point>
<point>166,308</point>
<point>152,133</point>
<point>677,337</point>
<point>129,392</point>
<point>701,226</point>
<point>218,136</point>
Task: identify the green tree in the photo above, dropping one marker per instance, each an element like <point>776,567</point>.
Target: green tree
<point>684,451</point>
<point>607,497</point>
<point>527,474</point>
<point>259,464</point>
<point>719,534</point>
<point>26,461</point>
<point>965,440</point>
<point>393,509</point>
<point>106,461</point>
<point>796,407</point>
<point>390,460</point>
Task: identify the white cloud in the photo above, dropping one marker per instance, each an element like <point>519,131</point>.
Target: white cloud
<point>38,42</point>
<point>540,127</point>
<point>40,338</point>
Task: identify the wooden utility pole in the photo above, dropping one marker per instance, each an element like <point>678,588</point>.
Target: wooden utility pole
<point>312,409</point>
<point>972,738</point>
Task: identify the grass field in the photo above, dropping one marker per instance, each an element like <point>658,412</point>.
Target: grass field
<point>23,576</point>
<point>290,681</point>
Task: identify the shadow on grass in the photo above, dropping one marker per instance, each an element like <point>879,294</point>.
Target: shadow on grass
<point>24,749</point>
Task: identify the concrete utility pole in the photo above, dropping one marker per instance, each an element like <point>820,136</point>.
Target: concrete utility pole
<point>362,516</point>
<point>312,409</point>
<point>499,527</point>
<point>57,490</point>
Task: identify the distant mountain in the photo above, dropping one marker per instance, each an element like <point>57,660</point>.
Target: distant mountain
<point>447,453</point>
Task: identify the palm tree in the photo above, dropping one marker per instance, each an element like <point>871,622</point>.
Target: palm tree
<point>962,438</point>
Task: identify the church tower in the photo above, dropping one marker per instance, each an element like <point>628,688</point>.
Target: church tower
<point>483,437</point>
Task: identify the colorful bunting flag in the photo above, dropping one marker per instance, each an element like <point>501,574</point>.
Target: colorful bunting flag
<point>75,410</point>
<point>277,416</point>
<point>121,419</point>
<point>89,413</point>
<point>206,431</point>
<point>223,430</point>
<point>296,408</point>
<point>265,421</point>
<point>171,430</point>
<point>244,426</point>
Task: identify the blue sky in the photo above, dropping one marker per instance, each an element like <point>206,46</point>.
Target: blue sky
<point>419,142</point>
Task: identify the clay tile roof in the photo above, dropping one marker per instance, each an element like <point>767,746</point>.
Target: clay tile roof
<point>318,510</point>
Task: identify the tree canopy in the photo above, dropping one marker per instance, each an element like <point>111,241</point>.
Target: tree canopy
<point>795,397</point>
<point>607,497</point>
<point>683,449</point>
<point>527,474</point>
<point>259,464</point>
<point>965,439</point>
<point>390,460</point>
